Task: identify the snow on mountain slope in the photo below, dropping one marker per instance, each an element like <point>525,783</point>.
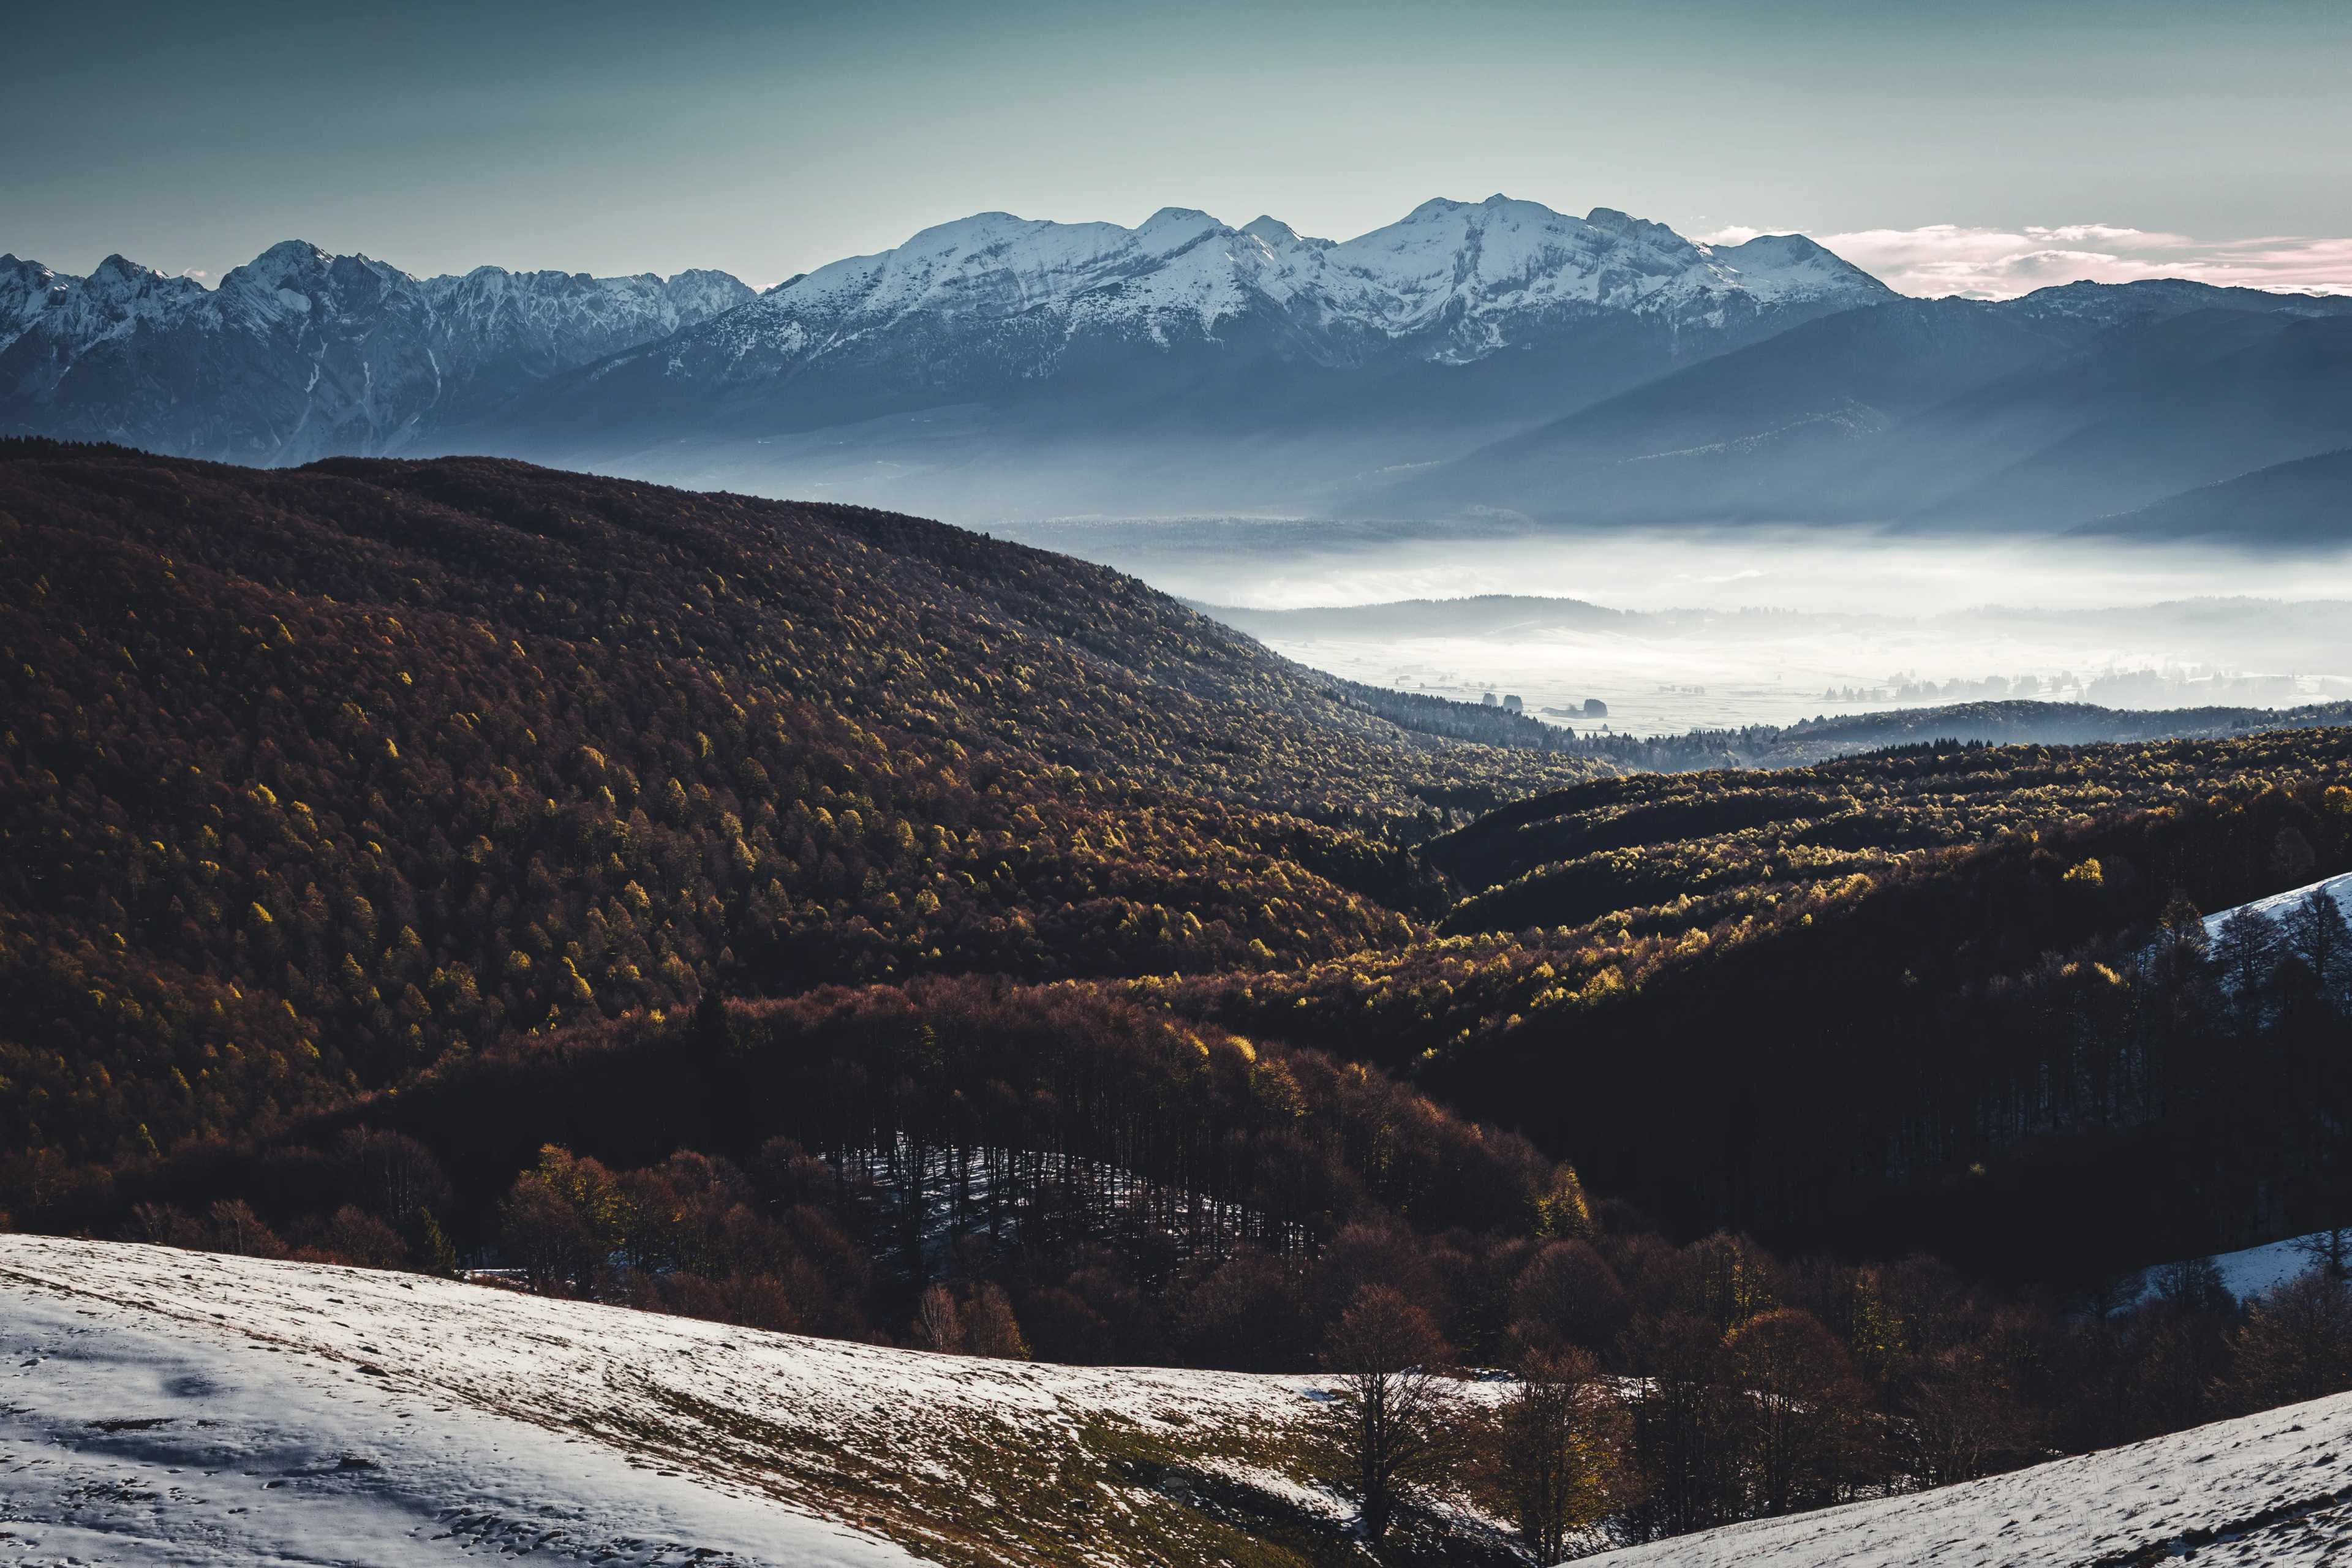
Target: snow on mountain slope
<point>1465,271</point>
<point>167,1407</point>
<point>992,364</point>
<point>1002,366</point>
<point>2269,1488</point>
<point>299,355</point>
<point>27,289</point>
<point>122,1442</point>
<point>993,264</point>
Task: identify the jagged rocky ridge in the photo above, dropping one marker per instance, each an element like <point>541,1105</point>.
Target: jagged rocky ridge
<point>1461,321</point>
<point>1452,282</point>
<point>998,366</point>
<point>1494,358</point>
<point>299,355</point>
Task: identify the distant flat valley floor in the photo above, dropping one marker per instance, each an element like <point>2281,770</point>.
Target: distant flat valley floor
<point>1724,627</point>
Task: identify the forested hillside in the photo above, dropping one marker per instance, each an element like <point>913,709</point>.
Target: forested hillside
<point>821,920</point>
<point>1622,843</point>
<point>310,778</point>
<point>1936,996</point>
<point>2005,722</point>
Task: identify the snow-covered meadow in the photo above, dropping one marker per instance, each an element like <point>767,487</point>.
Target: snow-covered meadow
<point>162,1406</point>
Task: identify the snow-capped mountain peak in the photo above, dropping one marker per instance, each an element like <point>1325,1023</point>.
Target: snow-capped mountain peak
<point>286,259</point>
<point>27,289</point>
<point>1773,266</point>
<point>1278,236</point>
<point>1178,330</point>
<point>118,295</point>
<point>1610,220</point>
<point>300,352</point>
<point>1451,281</point>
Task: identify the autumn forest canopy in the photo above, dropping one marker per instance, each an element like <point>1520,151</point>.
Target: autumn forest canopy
<point>821,918</point>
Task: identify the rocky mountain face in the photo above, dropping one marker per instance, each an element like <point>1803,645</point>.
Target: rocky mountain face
<point>1453,283</point>
<point>999,365</point>
<point>992,363</point>
<point>298,354</point>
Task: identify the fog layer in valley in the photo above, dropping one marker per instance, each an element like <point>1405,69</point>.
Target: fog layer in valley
<point>1726,628</point>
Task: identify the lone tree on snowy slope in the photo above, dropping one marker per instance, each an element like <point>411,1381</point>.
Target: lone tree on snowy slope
<point>1387,1413</point>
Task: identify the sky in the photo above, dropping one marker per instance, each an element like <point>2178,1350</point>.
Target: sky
<point>1986,148</point>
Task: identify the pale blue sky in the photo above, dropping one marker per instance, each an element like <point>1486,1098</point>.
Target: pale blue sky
<point>770,139</point>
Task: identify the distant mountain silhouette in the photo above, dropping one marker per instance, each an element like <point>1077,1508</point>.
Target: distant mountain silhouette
<point>2307,501</point>
<point>1943,414</point>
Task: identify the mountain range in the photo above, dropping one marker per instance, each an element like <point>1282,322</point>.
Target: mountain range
<point>1489,358</point>
<point>990,363</point>
<point>299,355</point>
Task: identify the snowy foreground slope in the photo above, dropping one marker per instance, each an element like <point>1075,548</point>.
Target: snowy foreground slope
<point>2269,1488</point>
<point>160,1407</point>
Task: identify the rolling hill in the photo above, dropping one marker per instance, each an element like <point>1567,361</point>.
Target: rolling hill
<point>1900,998</point>
<point>312,776</point>
<point>191,1408</point>
<point>815,921</point>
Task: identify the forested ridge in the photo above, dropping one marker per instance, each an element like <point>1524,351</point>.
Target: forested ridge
<point>1626,843</point>
<point>818,919</point>
<point>2007,721</point>
<point>1920,996</point>
<point>312,778</point>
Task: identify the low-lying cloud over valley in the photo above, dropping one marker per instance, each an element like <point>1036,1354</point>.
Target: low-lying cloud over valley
<point>1995,263</point>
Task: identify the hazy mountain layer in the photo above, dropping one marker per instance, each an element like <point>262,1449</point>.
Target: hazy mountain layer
<point>1950,414</point>
<point>2307,501</point>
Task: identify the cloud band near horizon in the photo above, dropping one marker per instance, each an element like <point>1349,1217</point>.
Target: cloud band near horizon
<point>1988,263</point>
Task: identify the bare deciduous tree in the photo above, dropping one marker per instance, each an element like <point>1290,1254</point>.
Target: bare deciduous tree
<point>1387,1409</point>
<point>2298,1343</point>
<point>1804,1403</point>
<point>937,1325</point>
<point>990,1328</point>
<point>2316,933</point>
<point>1550,1456</point>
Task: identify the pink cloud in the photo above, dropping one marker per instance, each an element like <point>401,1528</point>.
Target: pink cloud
<point>1997,264</point>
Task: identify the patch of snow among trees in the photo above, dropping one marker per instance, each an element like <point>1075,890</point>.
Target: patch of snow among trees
<point>2254,1271</point>
<point>2278,906</point>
